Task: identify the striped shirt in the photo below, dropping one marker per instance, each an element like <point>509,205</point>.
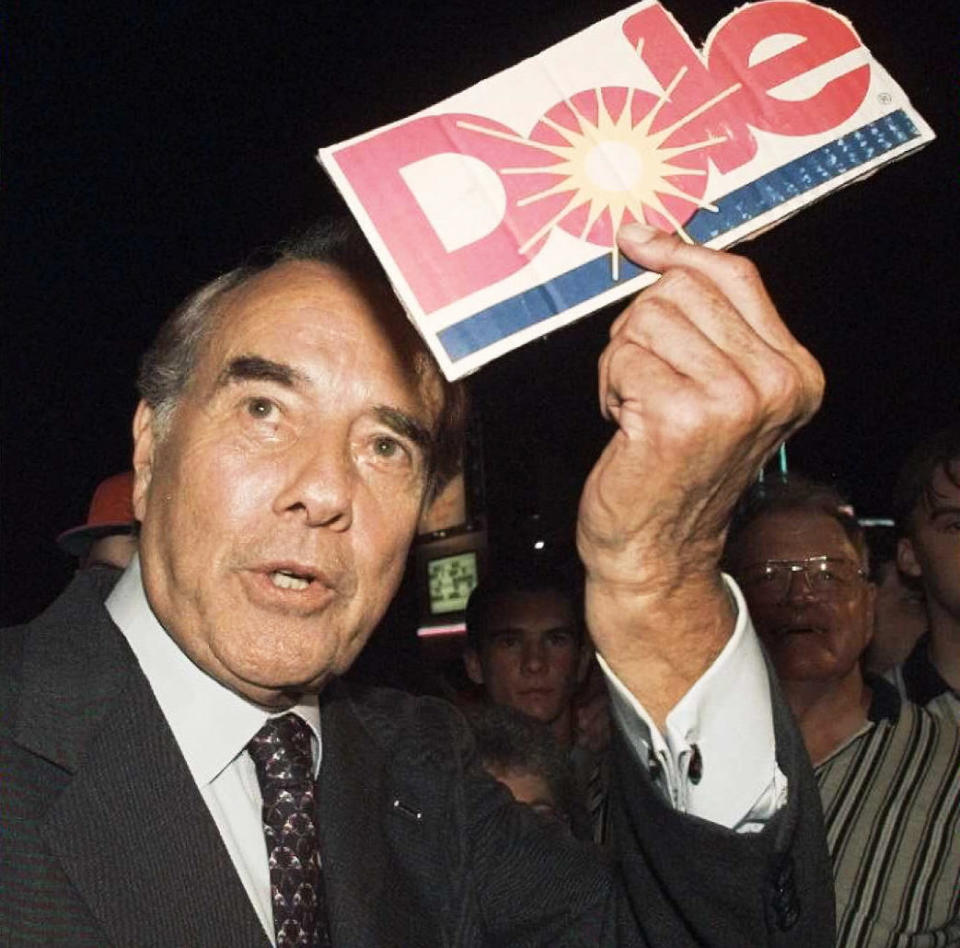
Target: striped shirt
<point>891,801</point>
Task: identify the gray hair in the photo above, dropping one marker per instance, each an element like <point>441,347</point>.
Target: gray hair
<point>793,492</point>
<point>167,366</point>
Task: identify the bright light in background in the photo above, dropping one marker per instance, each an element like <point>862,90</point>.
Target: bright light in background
<point>538,545</point>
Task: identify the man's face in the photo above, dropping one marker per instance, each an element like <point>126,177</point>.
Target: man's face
<point>932,550</point>
<point>115,549</point>
<point>278,507</point>
<point>530,658</point>
<point>811,635</point>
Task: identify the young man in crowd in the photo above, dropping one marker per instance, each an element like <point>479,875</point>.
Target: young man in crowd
<point>926,506</point>
<point>527,648</point>
<point>889,771</point>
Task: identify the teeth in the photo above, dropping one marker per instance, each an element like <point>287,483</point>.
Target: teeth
<point>287,581</point>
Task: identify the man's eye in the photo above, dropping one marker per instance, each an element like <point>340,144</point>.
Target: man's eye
<point>260,408</point>
<point>388,449</point>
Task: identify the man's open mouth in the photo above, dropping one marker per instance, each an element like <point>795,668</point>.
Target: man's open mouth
<point>287,579</point>
<point>798,630</point>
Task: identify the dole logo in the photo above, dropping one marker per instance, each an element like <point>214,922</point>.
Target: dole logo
<point>607,155</point>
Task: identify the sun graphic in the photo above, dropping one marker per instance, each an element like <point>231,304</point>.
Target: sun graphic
<point>614,163</point>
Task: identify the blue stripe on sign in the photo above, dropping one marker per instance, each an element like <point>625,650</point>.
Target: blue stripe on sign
<point>773,189</point>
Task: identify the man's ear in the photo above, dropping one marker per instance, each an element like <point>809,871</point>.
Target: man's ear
<point>471,662</point>
<point>907,561</point>
<point>144,448</point>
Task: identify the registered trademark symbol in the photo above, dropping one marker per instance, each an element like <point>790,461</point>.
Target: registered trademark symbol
<point>884,98</point>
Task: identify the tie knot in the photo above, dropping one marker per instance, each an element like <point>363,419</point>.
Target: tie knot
<point>282,753</point>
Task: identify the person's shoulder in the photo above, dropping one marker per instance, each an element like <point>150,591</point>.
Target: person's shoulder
<point>946,706</point>
<point>58,637</point>
<point>85,593</point>
<point>938,736</point>
<point>424,727</point>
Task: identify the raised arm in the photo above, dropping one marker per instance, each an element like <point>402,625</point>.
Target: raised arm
<point>704,381</point>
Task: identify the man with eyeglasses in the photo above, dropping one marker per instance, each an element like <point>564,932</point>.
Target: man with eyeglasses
<point>888,771</point>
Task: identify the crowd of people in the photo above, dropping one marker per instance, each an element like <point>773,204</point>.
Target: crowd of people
<point>185,760</point>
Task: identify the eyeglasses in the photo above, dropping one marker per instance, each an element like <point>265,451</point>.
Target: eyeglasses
<point>828,578</point>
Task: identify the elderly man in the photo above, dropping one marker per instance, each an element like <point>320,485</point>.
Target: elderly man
<point>889,772</point>
<point>926,504</point>
<point>180,762</point>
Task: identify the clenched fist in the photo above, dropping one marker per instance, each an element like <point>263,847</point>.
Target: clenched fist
<point>704,381</point>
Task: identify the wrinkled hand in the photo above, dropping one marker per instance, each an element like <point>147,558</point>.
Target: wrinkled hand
<point>704,381</point>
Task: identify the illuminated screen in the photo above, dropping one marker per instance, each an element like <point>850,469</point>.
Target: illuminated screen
<point>451,580</point>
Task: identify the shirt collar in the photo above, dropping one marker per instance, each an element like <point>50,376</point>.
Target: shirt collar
<point>885,702</point>
<point>922,680</point>
<point>211,724</point>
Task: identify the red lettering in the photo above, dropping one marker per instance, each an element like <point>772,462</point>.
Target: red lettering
<point>437,276</point>
<point>665,49</point>
<point>823,37</point>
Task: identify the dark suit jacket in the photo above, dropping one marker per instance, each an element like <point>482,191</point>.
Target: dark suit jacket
<point>106,840</point>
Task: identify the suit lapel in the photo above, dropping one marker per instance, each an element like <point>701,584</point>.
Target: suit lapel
<point>350,799</point>
<point>131,831</point>
<point>367,848</point>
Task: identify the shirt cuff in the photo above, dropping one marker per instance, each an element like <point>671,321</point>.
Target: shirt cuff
<point>717,757</point>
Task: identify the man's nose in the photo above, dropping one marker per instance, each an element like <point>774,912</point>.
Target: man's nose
<point>799,588</point>
<point>319,484</point>
<point>534,657</point>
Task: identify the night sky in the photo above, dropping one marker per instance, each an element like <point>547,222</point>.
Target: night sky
<point>149,147</point>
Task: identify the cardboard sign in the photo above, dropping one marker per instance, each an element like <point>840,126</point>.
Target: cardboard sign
<point>494,212</point>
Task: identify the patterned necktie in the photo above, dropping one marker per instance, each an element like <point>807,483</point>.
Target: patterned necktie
<point>282,754</point>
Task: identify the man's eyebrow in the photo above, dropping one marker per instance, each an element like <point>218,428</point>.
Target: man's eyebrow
<point>406,425</point>
<point>943,511</point>
<point>255,368</point>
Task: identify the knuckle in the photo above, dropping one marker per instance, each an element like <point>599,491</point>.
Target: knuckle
<point>680,278</point>
<point>737,400</point>
<point>647,316</point>
<point>782,383</point>
<point>742,268</point>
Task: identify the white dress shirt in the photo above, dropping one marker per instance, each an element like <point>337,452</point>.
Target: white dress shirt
<point>212,725</point>
<point>725,718</point>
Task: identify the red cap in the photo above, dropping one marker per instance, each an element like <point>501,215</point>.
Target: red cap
<point>111,511</point>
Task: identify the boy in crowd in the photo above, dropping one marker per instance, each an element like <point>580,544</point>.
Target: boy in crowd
<point>526,646</point>
<point>926,506</point>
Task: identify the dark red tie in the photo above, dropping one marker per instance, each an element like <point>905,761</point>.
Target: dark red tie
<point>283,757</point>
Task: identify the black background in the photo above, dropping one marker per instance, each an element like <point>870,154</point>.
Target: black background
<point>149,147</point>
